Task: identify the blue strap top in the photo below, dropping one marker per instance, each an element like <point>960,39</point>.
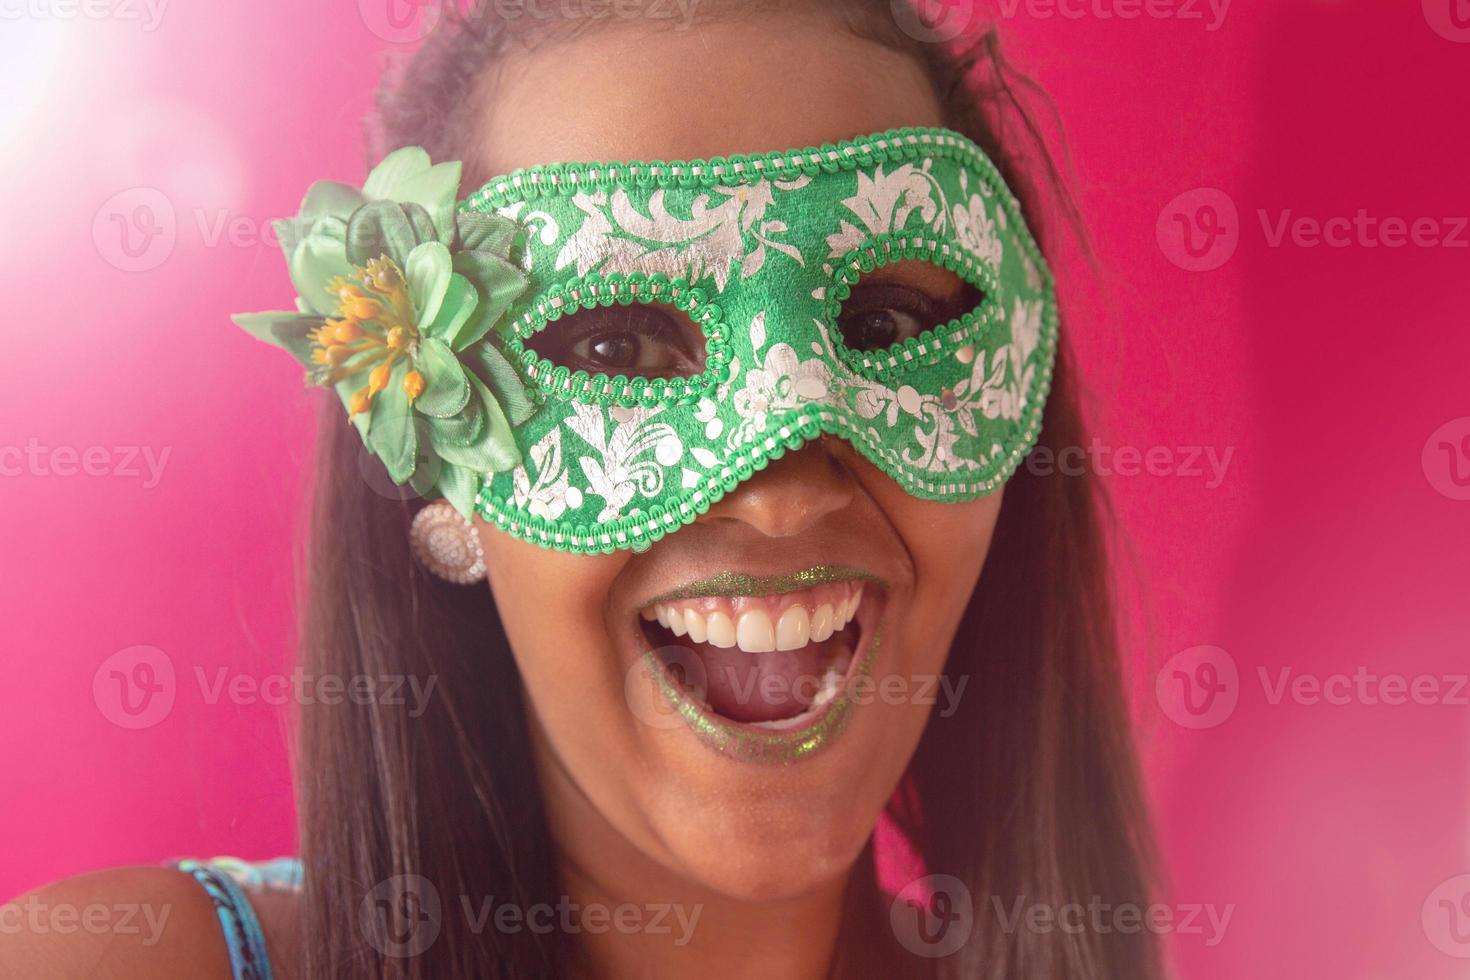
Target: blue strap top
<point>225,880</point>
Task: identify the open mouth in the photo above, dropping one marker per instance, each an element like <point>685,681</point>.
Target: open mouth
<point>776,661</point>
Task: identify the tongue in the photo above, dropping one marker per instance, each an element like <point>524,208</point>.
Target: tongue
<point>752,687</point>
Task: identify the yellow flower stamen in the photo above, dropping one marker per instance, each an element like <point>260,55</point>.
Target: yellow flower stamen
<point>362,400</point>
<point>413,385</point>
<point>344,331</point>
<point>362,308</point>
<point>368,333</point>
<point>378,380</point>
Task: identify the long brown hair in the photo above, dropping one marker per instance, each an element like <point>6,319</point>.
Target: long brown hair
<point>1028,793</point>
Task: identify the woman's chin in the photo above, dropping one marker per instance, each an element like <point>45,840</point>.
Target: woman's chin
<point>768,867</point>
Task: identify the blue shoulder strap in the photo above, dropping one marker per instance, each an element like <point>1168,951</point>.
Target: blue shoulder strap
<point>220,879</point>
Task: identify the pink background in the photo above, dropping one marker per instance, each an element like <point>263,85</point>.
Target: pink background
<point>1328,547</point>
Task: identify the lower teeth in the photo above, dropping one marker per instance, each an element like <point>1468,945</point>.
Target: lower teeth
<point>831,681</point>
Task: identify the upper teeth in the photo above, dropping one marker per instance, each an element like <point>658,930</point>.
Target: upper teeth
<point>752,629</point>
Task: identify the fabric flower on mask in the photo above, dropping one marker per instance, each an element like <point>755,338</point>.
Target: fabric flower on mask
<point>397,295</point>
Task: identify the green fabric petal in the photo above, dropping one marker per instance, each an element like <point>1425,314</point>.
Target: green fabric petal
<point>428,271</point>
<point>392,434</point>
<point>446,389</point>
<point>319,258</point>
<point>362,420</point>
<point>434,190</point>
<point>324,199</point>
<point>393,171</point>
<point>499,283</point>
<point>460,302</point>
<point>481,232</point>
<point>329,198</point>
<point>498,438</point>
<point>425,478</point>
<point>505,383</point>
<point>463,428</point>
<point>493,451</point>
<point>460,485</point>
<point>386,228</point>
<point>281,328</point>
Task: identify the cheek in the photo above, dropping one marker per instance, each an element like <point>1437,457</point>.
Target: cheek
<point>553,607</point>
<point>947,544</point>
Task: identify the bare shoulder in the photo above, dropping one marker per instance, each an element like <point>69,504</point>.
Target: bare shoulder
<point>127,923</point>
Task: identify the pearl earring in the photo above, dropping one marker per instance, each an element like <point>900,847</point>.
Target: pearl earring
<point>446,544</point>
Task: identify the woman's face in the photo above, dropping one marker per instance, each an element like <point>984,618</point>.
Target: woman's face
<point>624,774</point>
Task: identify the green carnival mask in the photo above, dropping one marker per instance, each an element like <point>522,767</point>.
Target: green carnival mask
<point>753,256</point>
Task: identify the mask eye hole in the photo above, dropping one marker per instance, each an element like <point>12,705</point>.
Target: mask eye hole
<point>648,340</point>
<point>897,302</point>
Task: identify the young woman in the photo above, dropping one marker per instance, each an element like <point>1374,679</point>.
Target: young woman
<point>779,584</point>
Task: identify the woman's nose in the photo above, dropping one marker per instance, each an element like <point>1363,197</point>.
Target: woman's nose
<point>792,493</point>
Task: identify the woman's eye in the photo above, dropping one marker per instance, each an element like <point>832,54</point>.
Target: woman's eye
<point>643,340</point>
<point>881,314</point>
